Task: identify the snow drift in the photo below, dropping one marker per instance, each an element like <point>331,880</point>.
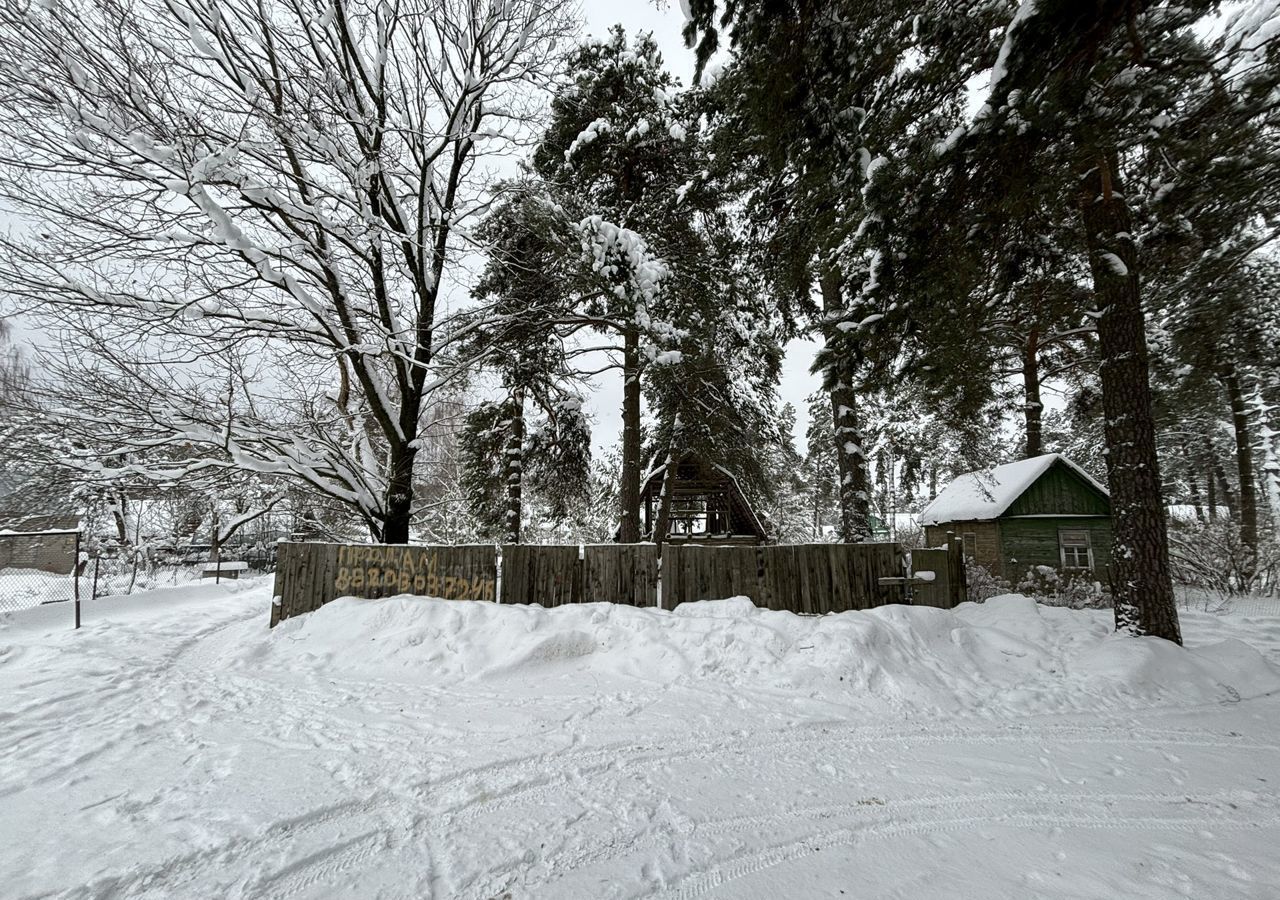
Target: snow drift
<point>1007,655</point>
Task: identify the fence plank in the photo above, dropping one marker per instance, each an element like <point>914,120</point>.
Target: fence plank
<point>542,574</point>
<point>620,573</point>
<point>709,573</point>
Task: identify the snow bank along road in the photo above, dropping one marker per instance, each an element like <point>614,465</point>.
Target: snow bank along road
<point>411,748</point>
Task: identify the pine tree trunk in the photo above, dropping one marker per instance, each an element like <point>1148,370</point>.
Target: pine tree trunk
<point>1218,484</point>
<point>1197,501</point>
<point>629,492</point>
<point>1244,466</point>
<point>851,459</point>
<point>1141,582</point>
<point>1211,496</point>
<point>1032,406</point>
<point>515,468</point>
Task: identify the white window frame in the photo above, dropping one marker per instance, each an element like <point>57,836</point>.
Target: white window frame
<point>969,539</point>
<point>1063,534</point>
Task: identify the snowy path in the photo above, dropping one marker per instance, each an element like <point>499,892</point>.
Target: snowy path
<point>172,748</point>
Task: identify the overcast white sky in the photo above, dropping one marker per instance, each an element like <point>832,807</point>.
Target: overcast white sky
<point>665,20</point>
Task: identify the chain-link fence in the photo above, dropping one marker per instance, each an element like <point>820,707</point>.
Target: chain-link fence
<point>115,570</point>
<point>38,567</point>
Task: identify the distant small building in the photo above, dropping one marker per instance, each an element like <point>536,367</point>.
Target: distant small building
<point>1043,511</point>
<point>43,543</point>
<point>707,505</point>
<point>1192,514</point>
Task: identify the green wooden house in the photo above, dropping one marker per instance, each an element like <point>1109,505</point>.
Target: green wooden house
<point>1043,511</point>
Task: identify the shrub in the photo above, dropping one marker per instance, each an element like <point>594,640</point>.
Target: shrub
<point>1050,587</point>
<point>911,536</point>
<point>1211,557</point>
<point>982,585</point>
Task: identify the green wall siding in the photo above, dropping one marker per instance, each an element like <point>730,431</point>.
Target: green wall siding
<point>1060,490</point>
<point>1034,542</point>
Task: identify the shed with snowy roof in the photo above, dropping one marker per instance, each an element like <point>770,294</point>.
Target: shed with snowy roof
<point>707,505</point>
<point>1043,511</point>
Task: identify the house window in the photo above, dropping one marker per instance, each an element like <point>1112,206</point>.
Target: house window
<point>1075,549</point>
<point>689,516</point>
<point>970,545</point>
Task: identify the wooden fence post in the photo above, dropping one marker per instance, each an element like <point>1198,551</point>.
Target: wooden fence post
<point>956,580</point>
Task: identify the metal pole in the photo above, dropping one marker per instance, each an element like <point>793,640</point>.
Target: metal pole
<point>97,561</point>
<point>75,577</point>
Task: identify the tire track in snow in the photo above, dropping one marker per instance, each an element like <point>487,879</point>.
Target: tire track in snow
<point>584,766</point>
<point>998,805</point>
<point>461,797</point>
<point>702,881</point>
<point>325,864</point>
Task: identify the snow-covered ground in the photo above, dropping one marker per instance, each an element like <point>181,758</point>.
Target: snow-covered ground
<point>174,747</point>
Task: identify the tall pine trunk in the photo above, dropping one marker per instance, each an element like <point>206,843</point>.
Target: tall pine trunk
<point>1141,582</point>
<point>1033,408</point>
<point>1211,496</point>
<point>1193,488</point>
<point>855,495</point>
<point>1219,486</point>
<point>1244,465</point>
<point>629,492</point>
<point>515,468</point>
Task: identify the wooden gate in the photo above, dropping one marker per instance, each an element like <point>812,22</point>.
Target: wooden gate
<point>938,576</point>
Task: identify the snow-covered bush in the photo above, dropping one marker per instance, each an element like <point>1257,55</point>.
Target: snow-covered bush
<point>982,584</point>
<point>911,536</point>
<point>1211,557</point>
<point>1052,588</point>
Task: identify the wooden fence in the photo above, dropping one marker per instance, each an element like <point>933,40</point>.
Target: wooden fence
<point>802,578</point>
<point>310,575</point>
<point>621,573</point>
<point>551,574</point>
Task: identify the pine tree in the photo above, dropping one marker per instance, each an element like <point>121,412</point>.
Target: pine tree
<point>623,152</point>
<point>518,333</point>
<point>816,101</point>
<point>618,150</point>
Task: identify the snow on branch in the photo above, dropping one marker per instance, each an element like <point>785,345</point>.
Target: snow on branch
<point>298,175</point>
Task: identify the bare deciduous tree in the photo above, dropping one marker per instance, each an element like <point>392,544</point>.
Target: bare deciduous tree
<point>295,176</point>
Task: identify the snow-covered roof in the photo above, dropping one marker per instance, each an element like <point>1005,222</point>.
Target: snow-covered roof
<point>986,494</point>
